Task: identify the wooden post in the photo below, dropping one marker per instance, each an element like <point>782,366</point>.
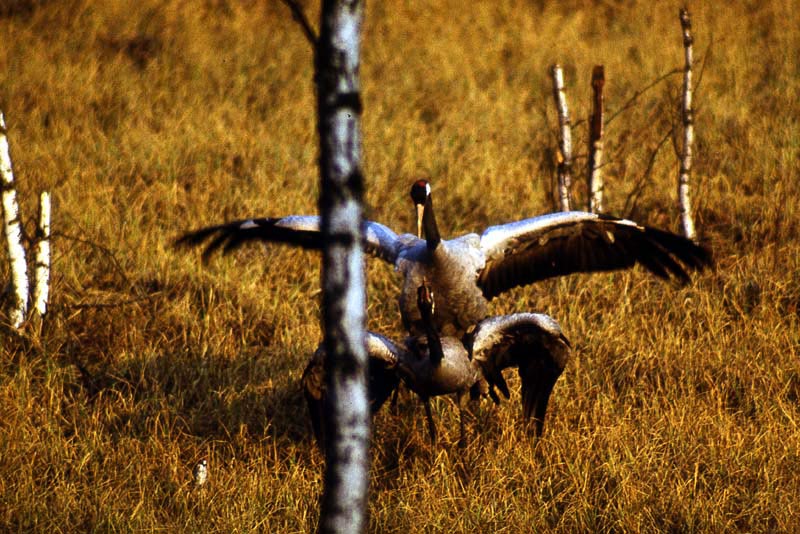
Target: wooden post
<point>565,141</point>
<point>13,232</point>
<point>684,198</point>
<point>347,420</point>
<point>594,174</point>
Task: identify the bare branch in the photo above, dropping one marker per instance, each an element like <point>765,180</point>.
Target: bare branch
<point>632,100</point>
<point>102,305</point>
<point>105,250</point>
<point>565,141</point>
<point>633,196</point>
<point>300,17</point>
<point>705,55</point>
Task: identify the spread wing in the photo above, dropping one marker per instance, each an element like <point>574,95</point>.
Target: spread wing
<point>531,342</point>
<point>523,252</point>
<point>298,230</point>
<point>383,379</point>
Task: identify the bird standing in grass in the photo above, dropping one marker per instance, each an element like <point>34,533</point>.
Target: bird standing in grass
<point>432,365</point>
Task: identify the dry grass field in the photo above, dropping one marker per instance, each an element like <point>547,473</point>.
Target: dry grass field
<point>680,410</point>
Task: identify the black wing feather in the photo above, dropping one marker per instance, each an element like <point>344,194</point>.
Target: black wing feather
<point>588,243</point>
<point>299,231</point>
<point>233,235</point>
<point>532,343</point>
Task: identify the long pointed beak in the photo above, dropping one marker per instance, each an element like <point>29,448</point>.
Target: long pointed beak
<point>420,213</point>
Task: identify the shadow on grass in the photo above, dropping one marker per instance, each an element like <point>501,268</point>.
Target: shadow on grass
<point>185,361</point>
<point>207,397</point>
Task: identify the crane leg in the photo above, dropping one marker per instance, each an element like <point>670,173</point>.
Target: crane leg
<point>429,416</point>
<point>393,402</point>
<point>462,438</point>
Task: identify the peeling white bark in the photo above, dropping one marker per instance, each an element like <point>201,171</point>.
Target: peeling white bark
<point>13,232</point>
<point>595,174</point>
<point>684,197</point>
<point>347,421</point>
<point>565,141</point>
<point>41,273</point>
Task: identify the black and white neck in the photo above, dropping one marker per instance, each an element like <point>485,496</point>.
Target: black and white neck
<point>426,220</point>
<point>426,310</point>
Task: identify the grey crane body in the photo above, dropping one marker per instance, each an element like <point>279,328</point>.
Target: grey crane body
<point>432,365</point>
<point>455,373</point>
<point>452,270</point>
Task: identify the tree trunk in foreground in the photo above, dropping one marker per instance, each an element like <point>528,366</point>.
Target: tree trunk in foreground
<point>343,298</point>
<point>595,174</point>
<point>565,140</point>
<point>684,198</point>
<point>12,228</point>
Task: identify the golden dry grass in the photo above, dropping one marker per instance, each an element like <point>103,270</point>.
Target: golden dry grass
<point>679,410</point>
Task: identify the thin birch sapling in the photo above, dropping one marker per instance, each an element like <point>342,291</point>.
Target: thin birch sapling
<point>684,196</point>
<point>12,228</point>
<point>565,138</point>
<point>41,273</point>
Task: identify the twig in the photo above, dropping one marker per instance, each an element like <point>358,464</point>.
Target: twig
<point>706,54</point>
<point>633,196</point>
<point>300,17</point>
<point>105,250</point>
<point>117,304</point>
<point>632,100</point>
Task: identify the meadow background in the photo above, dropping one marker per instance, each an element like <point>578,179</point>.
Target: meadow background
<point>679,409</point>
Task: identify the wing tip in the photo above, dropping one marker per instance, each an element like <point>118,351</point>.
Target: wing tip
<point>680,254</point>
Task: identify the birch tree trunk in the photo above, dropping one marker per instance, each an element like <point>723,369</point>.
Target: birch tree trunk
<point>565,140</point>
<point>13,232</point>
<point>594,174</point>
<point>41,273</point>
<point>684,198</point>
<point>343,299</point>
